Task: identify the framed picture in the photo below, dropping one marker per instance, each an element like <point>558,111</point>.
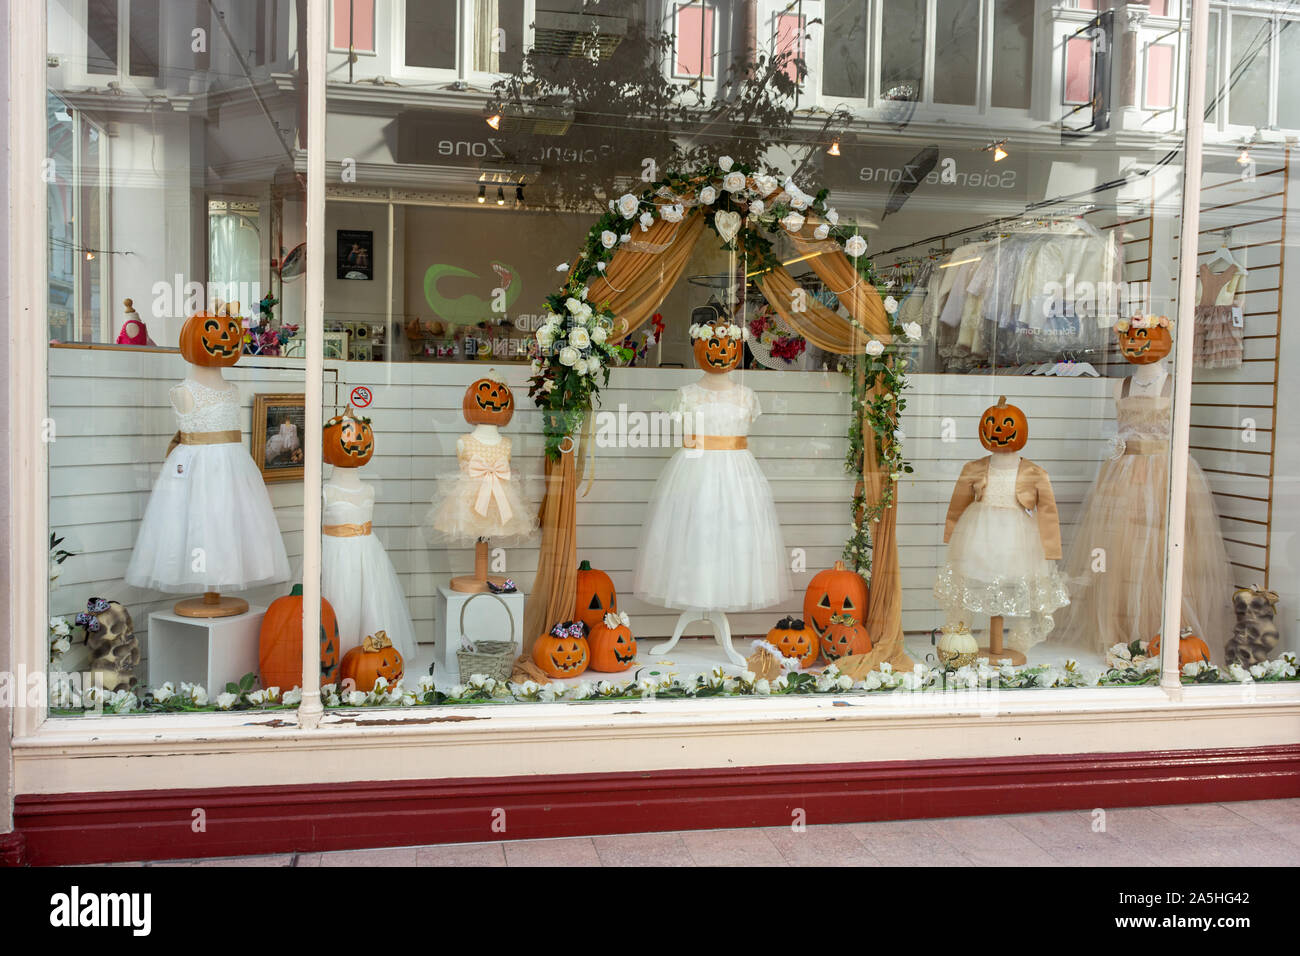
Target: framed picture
<point>356,254</point>
<point>278,422</point>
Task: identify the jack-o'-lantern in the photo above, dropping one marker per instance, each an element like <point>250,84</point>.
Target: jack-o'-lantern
<point>348,440</point>
<point>1190,648</point>
<point>836,590</point>
<point>1144,344</point>
<point>279,643</point>
<point>1003,427</point>
<point>844,638</point>
<point>717,354</point>
<point>595,595</point>
<point>563,651</point>
<point>612,646</point>
<point>373,658</point>
<point>488,402</point>
<point>212,340</point>
<point>793,638</point>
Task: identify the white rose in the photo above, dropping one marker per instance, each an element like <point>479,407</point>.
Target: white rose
<point>609,239</point>
<point>707,195</point>
<point>756,207</point>
<point>579,339</point>
<point>646,219</point>
<point>226,701</point>
<point>562,267</point>
<point>62,645</point>
<point>800,201</point>
<point>598,334</point>
<point>832,217</point>
<point>912,330</point>
<point>672,213</point>
<point>292,698</point>
<point>568,356</point>
<point>793,222</point>
<point>546,336</point>
<point>822,231</point>
<point>627,205</point>
<point>733,331</point>
<point>764,185</point>
<point>257,697</point>
<point>875,348</point>
<point>198,696</point>
<point>733,182</point>
<point>355,699</point>
<point>626,237</point>
<point>891,304</point>
<point>856,246</point>
<point>725,163</point>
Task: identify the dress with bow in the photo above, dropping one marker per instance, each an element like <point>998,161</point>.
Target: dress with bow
<point>485,499</point>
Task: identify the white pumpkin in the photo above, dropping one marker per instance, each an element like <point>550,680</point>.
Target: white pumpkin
<point>957,647</point>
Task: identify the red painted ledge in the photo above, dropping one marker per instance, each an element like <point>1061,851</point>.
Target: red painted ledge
<point>160,824</point>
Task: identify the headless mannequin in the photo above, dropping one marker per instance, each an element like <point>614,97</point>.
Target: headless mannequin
<point>345,480</point>
<point>182,398</point>
<point>478,582</point>
<point>1146,380</point>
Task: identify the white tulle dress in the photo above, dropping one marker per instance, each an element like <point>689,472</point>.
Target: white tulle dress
<point>484,499</point>
<point>357,577</point>
<point>209,525</point>
<point>711,538</point>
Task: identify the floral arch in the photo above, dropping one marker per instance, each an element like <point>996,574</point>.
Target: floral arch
<point>633,256</point>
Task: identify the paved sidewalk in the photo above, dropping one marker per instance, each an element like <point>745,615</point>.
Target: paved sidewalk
<point>1251,833</point>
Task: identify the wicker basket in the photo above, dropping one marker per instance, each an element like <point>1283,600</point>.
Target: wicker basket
<point>491,658</point>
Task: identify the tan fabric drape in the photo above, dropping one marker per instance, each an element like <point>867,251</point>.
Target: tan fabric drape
<point>551,600</point>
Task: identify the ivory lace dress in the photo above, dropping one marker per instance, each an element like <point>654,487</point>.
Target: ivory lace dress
<point>484,499</point>
<point>1123,525</point>
<point>209,524</point>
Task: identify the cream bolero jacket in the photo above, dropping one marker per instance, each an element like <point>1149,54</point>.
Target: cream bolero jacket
<point>1033,493</point>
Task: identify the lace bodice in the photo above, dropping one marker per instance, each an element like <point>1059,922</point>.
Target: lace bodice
<point>470,448</point>
<point>215,409</point>
<point>725,412</point>
<point>1144,416</point>
<point>348,505</point>
<point>1000,492</point>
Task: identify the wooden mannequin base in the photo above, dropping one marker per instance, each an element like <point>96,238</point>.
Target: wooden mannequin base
<point>469,584</point>
<point>210,605</point>
<point>1003,654</point>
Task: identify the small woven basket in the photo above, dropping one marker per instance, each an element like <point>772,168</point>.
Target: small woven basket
<point>491,658</point>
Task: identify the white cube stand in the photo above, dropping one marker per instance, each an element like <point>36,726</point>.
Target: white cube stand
<point>212,651</point>
<point>484,621</point>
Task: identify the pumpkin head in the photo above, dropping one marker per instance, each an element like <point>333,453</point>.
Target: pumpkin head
<point>348,441</point>
<point>844,638</point>
<point>373,658</point>
<point>595,595</point>
<point>1003,427</point>
<point>612,646</point>
<point>717,354</point>
<point>563,652</point>
<point>793,638</point>
<point>1144,345</point>
<point>279,643</point>
<point>834,591</point>
<point>488,402</point>
<point>1190,648</point>
<point>214,340</point>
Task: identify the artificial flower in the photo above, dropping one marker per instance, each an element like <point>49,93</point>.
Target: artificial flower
<point>822,231</point>
<point>626,237</point>
<point>765,185</point>
<point>707,195</point>
<point>628,205</point>
<point>756,207</point>
<point>672,213</point>
<point>568,356</point>
<point>609,239</point>
<point>793,222</point>
<point>891,304</point>
<point>598,334</point>
<point>875,348</point>
<point>226,701</point>
<point>579,338</point>
<point>733,182</point>
<point>912,329</point>
<point>725,163</point>
<point>562,267</point>
<point>832,217</point>
<point>646,219</point>
<point>855,246</point>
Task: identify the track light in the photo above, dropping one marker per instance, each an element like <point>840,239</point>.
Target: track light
<point>1243,158</point>
<point>501,196</point>
<point>494,121</point>
<point>482,194</point>
<point>999,150</point>
<point>834,149</point>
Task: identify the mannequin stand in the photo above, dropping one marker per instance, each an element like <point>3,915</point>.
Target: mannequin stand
<point>995,651</point>
<point>211,604</point>
<point>721,633</point>
<point>479,582</point>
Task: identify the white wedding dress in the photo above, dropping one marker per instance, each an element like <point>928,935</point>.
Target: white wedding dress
<point>711,538</point>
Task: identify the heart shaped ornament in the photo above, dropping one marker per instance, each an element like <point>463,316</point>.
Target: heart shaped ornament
<point>727,223</point>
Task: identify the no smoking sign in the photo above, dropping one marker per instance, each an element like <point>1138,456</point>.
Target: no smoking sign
<point>362,397</point>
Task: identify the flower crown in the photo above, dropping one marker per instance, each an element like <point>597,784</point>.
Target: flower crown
<point>1144,322</point>
<point>615,618</point>
<point>348,414</point>
<point>722,330</point>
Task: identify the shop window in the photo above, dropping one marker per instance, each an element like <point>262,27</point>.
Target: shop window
<point>1250,71</point>
<point>353,26</point>
<point>957,47</point>
<point>693,43</point>
<point>1013,53</point>
<point>1214,89</point>
<point>902,49</point>
<point>430,34</point>
<point>1077,89</point>
<point>122,29</point>
<point>1288,85</point>
<point>1159,90</point>
<point>844,53</point>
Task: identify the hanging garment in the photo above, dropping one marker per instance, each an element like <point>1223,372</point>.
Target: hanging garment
<point>1217,341</point>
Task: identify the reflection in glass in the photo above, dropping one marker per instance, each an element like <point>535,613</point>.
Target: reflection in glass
<point>902,49</point>
<point>956,51</point>
<point>844,54</point>
<point>1013,53</point>
<point>1248,81</point>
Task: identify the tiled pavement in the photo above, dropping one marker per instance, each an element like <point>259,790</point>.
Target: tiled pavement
<point>1258,833</point>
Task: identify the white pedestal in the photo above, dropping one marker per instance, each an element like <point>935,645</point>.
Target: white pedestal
<point>209,651</point>
<point>485,620</point>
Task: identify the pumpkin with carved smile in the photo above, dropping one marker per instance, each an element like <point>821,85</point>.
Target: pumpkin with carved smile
<point>793,638</point>
<point>844,638</point>
<point>348,440</point>
<point>613,648</point>
<point>1145,345</point>
<point>837,590</point>
<point>212,340</point>
<point>488,402</point>
<point>1003,427</point>
<point>717,355</point>
<point>563,651</point>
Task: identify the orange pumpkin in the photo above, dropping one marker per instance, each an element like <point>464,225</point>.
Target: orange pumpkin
<point>1142,346</point>
<point>1190,648</point>
<point>595,596</point>
<point>837,590</point>
<point>279,643</point>
<point>1003,427</point>
<point>612,646</point>
<point>488,402</point>
<point>844,638</point>
<point>564,651</point>
<point>793,638</point>
<point>348,441</point>
<point>373,658</point>
<point>212,340</point>
<point>716,354</point>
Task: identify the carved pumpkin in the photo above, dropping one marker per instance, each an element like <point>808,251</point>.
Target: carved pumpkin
<point>488,402</point>
<point>348,441</point>
<point>373,658</point>
<point>279,643</point>
<point>563,652</point>
<point>793,638</point>
<point>957,647</point>
<point>595,596</point>
<point>844,638</point>
<point>612,646</point>
<point>717,355</point>
<point>213,340</point>
<point>1190,648</point>
<point>837,590</point>
<point>1142,346</point>
<point>1003,427</point>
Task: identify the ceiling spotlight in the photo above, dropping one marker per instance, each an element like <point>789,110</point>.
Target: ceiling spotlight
<point>1243,158</point>
<point>482,193</point>
<point>519,195</point>
<point>999,152</point>
<point>501,196</point>
<point>834,149</point>
<point>494,121</point>
<point>90,256</point>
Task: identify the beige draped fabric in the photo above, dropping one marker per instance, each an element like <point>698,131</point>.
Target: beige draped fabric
<point>552,597</point>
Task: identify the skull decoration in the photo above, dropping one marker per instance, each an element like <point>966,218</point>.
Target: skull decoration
<point>488,401</point>
<point>1255,635</point>
<point>114,648</point>
<point>1003,427</point>
<point>1144,341</point>
<point>213,340</point>
<point>348,440</point>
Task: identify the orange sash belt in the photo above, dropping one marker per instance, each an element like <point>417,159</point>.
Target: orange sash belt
<point>1146,446</point>
<point>715,442</point>
<point>209,438</point>
<point>346,530</point>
